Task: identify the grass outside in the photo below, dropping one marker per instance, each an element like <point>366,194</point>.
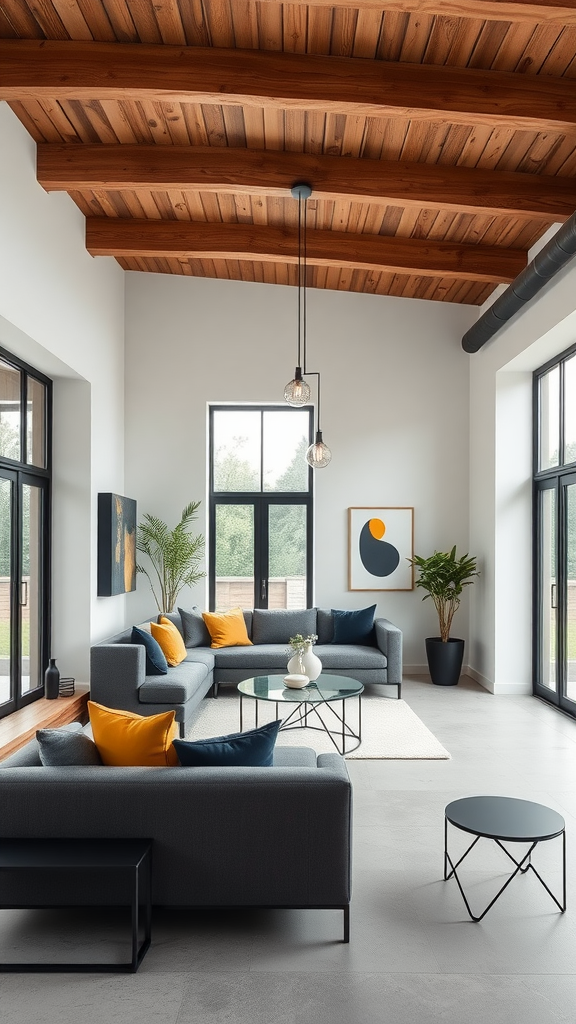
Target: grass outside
<point>571,644</point>
<point>5,638</point>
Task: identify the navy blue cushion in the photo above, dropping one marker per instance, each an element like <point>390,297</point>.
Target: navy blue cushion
<point>156,664</point>
<point>354,627</point>
<point>254,749</point>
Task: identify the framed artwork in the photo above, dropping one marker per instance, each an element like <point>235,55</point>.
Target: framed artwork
<point>116,545</point>
<point>380,540</point>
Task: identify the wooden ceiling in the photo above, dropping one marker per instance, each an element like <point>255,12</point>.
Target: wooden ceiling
<point>439,136</point>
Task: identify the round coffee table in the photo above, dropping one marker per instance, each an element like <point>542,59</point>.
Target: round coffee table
<point>323,692</point>
<point>505,820</point>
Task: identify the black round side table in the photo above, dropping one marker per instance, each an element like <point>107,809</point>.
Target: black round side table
<point>505,820</point>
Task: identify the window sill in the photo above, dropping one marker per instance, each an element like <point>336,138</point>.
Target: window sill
<point>17,729</point>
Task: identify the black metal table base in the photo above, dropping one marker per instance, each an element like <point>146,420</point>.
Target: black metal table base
<point>522,867</point>
<point>298,719</point>
<point>27,854</point>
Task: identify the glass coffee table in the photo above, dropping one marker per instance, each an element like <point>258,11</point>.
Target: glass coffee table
<point>322,694</point>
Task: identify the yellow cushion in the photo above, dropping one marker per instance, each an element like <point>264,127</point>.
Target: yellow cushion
<point>227,629</point>
<point>124,738</point>
<point>170,639</point>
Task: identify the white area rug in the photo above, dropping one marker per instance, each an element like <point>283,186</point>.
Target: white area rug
<point>390,729</point>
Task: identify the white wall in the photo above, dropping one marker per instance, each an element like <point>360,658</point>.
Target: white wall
<point>500,482</point>
<point>63,312</point>
<point>395,413</point>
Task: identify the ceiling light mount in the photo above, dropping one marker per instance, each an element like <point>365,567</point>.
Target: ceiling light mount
<point>301,190</point>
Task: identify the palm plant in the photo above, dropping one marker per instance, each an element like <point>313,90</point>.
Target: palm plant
<point>444,577</point>
<point>174,555</point>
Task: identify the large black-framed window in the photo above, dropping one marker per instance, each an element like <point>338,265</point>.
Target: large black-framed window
<point>25,478</point>
<point>554,654</point>
<point>260,507</point>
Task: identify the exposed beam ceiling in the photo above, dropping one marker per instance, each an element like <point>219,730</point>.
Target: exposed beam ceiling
<point>269,173</point>
<point>184,240</point>
<point>36,69</point>
<point>439,136</point>
<point>561,12</point>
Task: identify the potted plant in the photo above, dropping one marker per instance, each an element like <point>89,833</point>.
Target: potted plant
<point>303,660</point>
<point>444,576</point>
<point>174,556</point>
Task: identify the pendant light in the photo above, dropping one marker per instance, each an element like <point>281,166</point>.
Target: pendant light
<point>297,391</point>
<point>318,454</point>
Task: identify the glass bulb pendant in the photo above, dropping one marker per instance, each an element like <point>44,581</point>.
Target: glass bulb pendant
<point>318,455</point>
<point>297,392</point>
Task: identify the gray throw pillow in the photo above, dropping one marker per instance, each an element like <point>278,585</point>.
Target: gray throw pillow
<point>59,747</point>
<point>195,629</point>
<point>277,625</point>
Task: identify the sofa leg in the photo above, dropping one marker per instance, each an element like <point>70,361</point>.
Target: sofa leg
<point>181,730</point>
<point>215,690</point>
<point>399,691</point>
<point>346,911</point>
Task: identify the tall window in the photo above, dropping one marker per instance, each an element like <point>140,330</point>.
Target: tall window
<point>260,550</point>
<point>555,531</point>
<point>25,404</point>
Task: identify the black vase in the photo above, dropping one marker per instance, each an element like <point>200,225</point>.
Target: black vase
<point>444,660</point>
<point>51,681</point>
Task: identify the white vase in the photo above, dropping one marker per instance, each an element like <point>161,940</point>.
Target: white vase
<point>312,664</point>
<point>296,666</point>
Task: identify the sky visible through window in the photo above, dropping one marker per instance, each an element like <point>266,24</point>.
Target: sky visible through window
<point>238,433</point>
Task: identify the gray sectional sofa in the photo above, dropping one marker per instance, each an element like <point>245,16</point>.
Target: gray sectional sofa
<point>266,837</point>
<point>118,674</point>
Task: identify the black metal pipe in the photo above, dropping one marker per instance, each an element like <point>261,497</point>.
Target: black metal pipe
<point>545,265</point>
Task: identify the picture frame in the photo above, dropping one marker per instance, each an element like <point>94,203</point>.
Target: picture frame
<point>375,563</point>
<point>116,544</point>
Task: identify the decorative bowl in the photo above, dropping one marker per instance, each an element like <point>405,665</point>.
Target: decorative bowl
<point>296,682</point>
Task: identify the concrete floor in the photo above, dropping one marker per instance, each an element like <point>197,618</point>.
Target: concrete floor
<point>413,956</point>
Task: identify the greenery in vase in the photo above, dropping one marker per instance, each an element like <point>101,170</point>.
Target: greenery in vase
<point>300,644</point>
<point>174,555</point>
<point>444,576</point>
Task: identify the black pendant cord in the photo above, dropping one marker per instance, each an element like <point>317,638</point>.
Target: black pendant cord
<point>313,373</point>
<point>304,278</point>
<point>306,371</point>
<point>300,282</point>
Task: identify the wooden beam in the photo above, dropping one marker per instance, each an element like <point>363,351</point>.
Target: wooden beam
<point>70,69</point>
<point>270,173</point>
<point>549,12</point>
<point>108,236</point>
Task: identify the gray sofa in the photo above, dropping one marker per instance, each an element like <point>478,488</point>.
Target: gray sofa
<point>118,675</point>
<point>267,837</point>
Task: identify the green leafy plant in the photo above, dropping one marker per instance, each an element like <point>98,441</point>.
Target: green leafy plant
<point>174,554</point>
<point>444,576</point>
<point>299,644</point>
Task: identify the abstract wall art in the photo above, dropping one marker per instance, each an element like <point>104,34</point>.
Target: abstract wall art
<point>116,545</point>
<point>381,540</point>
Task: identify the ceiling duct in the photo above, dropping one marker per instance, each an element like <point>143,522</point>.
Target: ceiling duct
<point>545,265</point>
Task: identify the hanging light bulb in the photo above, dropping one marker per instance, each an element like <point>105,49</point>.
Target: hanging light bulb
<point>297,392</point>
<point>318,455</point>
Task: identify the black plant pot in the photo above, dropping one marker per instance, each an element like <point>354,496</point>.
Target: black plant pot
<point>444,660</point>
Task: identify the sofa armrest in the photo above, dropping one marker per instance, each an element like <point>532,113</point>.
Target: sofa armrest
<point>116,672</point>
<point>389,640</point>
<point>335,764</point>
